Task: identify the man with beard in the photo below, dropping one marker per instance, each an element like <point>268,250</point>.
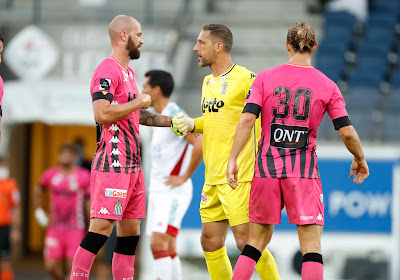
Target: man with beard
<point>68,185</point>
<point>117,188</point>
<point>223,98</point>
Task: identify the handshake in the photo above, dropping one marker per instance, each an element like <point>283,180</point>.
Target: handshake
<point>181,125</point>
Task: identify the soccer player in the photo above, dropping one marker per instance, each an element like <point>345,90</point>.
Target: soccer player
<point>69,190</point>
<point>171,188</point>
<point>1,82</point>
<point>223,97</point>
<point>117,188</point>
<point>292,99</point>
<point>10,219</point>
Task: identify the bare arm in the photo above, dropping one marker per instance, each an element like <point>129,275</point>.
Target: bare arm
<point>105,113</point>
<point>152,119</point>
<point>242,134</point>
<point>37,196</point>
<point>197,155</point>
<point>359,167</point>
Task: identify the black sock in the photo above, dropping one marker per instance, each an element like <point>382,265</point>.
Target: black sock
<point>251,252</point>
<point>127,245</point>
<point>313,257</point>
<point>93,242</point>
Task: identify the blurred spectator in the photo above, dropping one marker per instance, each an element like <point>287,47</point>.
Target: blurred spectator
<point>80,150</point>
<point>318,7</point>
<point>10,219</point>
<point>359,8</point>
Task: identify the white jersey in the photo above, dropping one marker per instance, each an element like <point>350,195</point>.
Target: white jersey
<point>170,155</point>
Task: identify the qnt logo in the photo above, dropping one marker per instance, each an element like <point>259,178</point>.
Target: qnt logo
<point>211,106</point>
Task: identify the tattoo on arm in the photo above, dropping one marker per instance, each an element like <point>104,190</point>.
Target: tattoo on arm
<point>152,119</point>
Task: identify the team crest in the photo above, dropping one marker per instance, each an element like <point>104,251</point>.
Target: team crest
<point>118,208</point>
<point>224,88</point>
<point>204,197</point>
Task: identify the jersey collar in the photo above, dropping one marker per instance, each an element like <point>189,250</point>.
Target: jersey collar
<point>299,65</point>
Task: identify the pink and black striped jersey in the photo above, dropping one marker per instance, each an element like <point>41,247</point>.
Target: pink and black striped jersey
<point>118,143</point>
<point>292,100</point>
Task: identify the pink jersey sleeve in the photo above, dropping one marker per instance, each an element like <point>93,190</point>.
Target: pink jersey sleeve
<point>45,179</point>
<point>104,82</point>
<point>254,99</point>
<point>336,107</point>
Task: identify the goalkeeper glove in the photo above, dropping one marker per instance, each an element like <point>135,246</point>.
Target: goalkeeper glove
<point>181,125</point>
<point>41,217</point>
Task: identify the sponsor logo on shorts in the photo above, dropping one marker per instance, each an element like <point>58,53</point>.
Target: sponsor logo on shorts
<point>319,217</point>
<point>104,211</point>
<point>105,84</point>
<point>80,274</point>
<point>306,218</point>
<point>118,208</point>
<point>116,193</point>
<point>204,197</point>
<point>321,197</point>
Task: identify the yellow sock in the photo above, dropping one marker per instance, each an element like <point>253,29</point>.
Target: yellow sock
<point>218,264</point>
<point>266,267</point>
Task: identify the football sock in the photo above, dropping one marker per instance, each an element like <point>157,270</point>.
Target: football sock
<point>162,269</point>
<point>266,266</point>
<point>176,267</point>
<point>246,263</point>
<point>124,257</point>
<point>218,264</point>
<point>85,255</point>
<point>7,275</point>
<point>312,268</point>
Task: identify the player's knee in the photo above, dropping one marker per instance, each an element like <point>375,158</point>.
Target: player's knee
<point>211,243</point>
<point>157,244</point>
<point>240,243</point>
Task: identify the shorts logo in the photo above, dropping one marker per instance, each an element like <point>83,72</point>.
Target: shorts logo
<point>306,218</point>
<point>81,274</point>
<point>105,84</point>
<point>116,193</point>
<point>104,211</point>
<point>321,197</point>
<point>319,217</point>
<point>118,208</point>
<point>204,197</point>
<point>288,136</point>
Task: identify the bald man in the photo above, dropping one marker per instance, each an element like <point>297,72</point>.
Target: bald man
<point>117,189</point>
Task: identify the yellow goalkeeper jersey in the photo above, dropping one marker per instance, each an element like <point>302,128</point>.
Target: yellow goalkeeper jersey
<point>222,103</point>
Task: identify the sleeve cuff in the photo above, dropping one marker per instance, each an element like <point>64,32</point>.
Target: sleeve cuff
<point>252,108</point>
<point>341,122</point>
<point>103,95</point>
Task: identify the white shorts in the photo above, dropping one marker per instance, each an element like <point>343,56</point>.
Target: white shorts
<point>165,211</point>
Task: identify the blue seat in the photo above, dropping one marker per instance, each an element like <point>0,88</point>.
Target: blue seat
<point>332,66</point>
<point>334,47</point>
<point>373,48</point>
<point>339,18</point>
<point>363,122</point>
<point>385,6</point>
<point>380,34</point>
<point>362,100</point>
<point>382,18</point>
<point>339,33</point>
<point>391,104</point>
<point>362,80</point>
<point>391,131</point>
<point>372,64</point>
<point>395,80</point>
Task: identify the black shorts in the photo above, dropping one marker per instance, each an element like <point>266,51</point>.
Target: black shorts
<point>4,241</point>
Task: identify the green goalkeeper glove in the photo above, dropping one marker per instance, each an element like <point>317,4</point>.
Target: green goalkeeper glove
<point>181,125</point>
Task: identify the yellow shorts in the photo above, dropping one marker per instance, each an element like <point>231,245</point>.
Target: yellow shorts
<point>221,202</point>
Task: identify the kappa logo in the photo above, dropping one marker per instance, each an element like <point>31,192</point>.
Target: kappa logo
<point>204,197</point>
<point>114,102</point>
<point>104,211</point>
<point>126,75</point>
<point>211,106</point>
<point>118,208</point>
<point>114,140</point>
<point>116,163</point>
<point>115,152</point>
<point>116,193</point>
<point>114,127</point>
<point>105,84</point>
<point>319,217</point>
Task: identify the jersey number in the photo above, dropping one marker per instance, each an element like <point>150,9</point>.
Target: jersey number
<point>302,99</point>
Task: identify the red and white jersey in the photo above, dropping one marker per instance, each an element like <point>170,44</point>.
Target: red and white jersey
<point>170,154</point>
<point>67,196</point>
<point>118,143</point>
<point>292,100</point>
